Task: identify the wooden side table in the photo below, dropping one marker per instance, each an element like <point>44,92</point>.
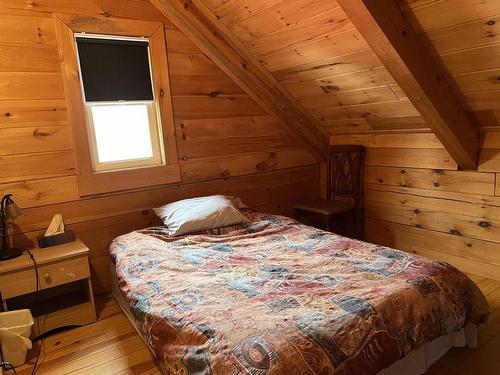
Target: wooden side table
<point>65,295</point>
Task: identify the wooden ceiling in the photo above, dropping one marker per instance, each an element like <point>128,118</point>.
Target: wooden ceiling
<point>314,51</point>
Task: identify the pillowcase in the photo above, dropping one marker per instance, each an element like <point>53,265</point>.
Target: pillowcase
<point>196,214</point>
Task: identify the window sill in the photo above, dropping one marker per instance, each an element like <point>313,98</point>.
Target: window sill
<point>110,182</point>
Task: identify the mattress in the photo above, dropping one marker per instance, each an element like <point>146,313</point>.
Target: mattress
<point>274,297</point>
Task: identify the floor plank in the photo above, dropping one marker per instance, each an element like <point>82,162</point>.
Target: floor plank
<point>111,346</point>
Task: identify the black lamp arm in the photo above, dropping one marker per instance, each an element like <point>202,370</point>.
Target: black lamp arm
<point>3,219</point>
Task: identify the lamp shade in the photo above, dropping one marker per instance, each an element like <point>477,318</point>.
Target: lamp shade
<point>12,210</point>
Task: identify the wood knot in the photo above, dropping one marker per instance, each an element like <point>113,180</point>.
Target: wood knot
<point>484,224</point>
<point>438,171</point>
<point>403,171</point>
<point>39,133</point>
<point>7,114</point>
<point>491,23</point>
<point>417,211</point>
<point>436,184</point>
<point>214,94</point>
<point>380,181</point>
<point>469,244</point>
<point>328,89</point>
<point>455,232</point>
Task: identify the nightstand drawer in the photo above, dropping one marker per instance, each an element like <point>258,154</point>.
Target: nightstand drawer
<point>55,274</point>
<point>49,275</point>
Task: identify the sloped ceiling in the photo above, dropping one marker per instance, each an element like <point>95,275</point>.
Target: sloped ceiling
<point>314,50</point>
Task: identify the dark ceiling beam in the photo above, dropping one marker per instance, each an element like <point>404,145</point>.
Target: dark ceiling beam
<point>393,40</point>
<point>210,35</point>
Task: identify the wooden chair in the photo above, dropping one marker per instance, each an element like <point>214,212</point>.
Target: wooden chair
<point>343,207</point>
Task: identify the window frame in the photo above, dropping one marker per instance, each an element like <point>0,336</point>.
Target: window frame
<point>154,126</point>
<point>92,182</point>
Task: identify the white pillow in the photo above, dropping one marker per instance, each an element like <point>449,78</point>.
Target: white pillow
<point>196,214</point>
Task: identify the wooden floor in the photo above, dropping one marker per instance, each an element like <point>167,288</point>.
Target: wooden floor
<point>111,346</point>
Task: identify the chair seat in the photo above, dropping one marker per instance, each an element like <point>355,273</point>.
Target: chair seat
<point>324,207</point>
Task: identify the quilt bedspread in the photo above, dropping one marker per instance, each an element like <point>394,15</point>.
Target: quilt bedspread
<point>277,297</point>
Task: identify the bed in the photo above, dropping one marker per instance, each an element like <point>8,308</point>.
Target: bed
<point>273,296</point>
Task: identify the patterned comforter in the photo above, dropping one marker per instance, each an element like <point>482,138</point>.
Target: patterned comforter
<point>277,297</point>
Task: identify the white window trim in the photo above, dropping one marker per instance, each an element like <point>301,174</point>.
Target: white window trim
<point>155,125</point>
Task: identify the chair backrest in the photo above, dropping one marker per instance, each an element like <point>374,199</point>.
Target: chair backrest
<point>345,168</point>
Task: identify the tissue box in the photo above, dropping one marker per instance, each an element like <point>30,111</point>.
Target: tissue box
<point>56,239</point>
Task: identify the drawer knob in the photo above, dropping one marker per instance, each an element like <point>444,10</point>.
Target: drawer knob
<point>46,276</point>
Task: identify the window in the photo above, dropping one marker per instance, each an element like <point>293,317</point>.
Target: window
<point>122,122</point>
<point>116,82</point>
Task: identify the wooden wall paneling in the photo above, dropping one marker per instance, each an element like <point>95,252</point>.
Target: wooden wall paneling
<point>446,222</point>
<point>359,125</point>
<point>35,166</point>
<point>415,140</point>
<point>28,58</point>
<point>43,192</point>
<point>193,148</point>
<point>475,256</point>
<point>219,128</point>
<point>402,123</point>
<point>16,113</point>
<point>38,139</point>
<point>411,158</point>
<point>471,198</point>
<point>214,107</point>
<point>213,86</point>
<point>483,214</point>
<point>253,189</point>
<point>398,46</point>
<point>37,30</point>
<point>236,165</point>
<point>194,64</point>
<point>30,86</point>
<point>433,179</point>
<point>132,9</point>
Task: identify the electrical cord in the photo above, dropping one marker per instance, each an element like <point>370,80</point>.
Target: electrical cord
<point>35,308</point>
<point>8,366</point>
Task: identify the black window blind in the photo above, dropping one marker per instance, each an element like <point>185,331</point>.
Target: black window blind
<point>114,70</point>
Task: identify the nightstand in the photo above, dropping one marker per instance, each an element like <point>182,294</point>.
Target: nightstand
<point>65,295</point>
